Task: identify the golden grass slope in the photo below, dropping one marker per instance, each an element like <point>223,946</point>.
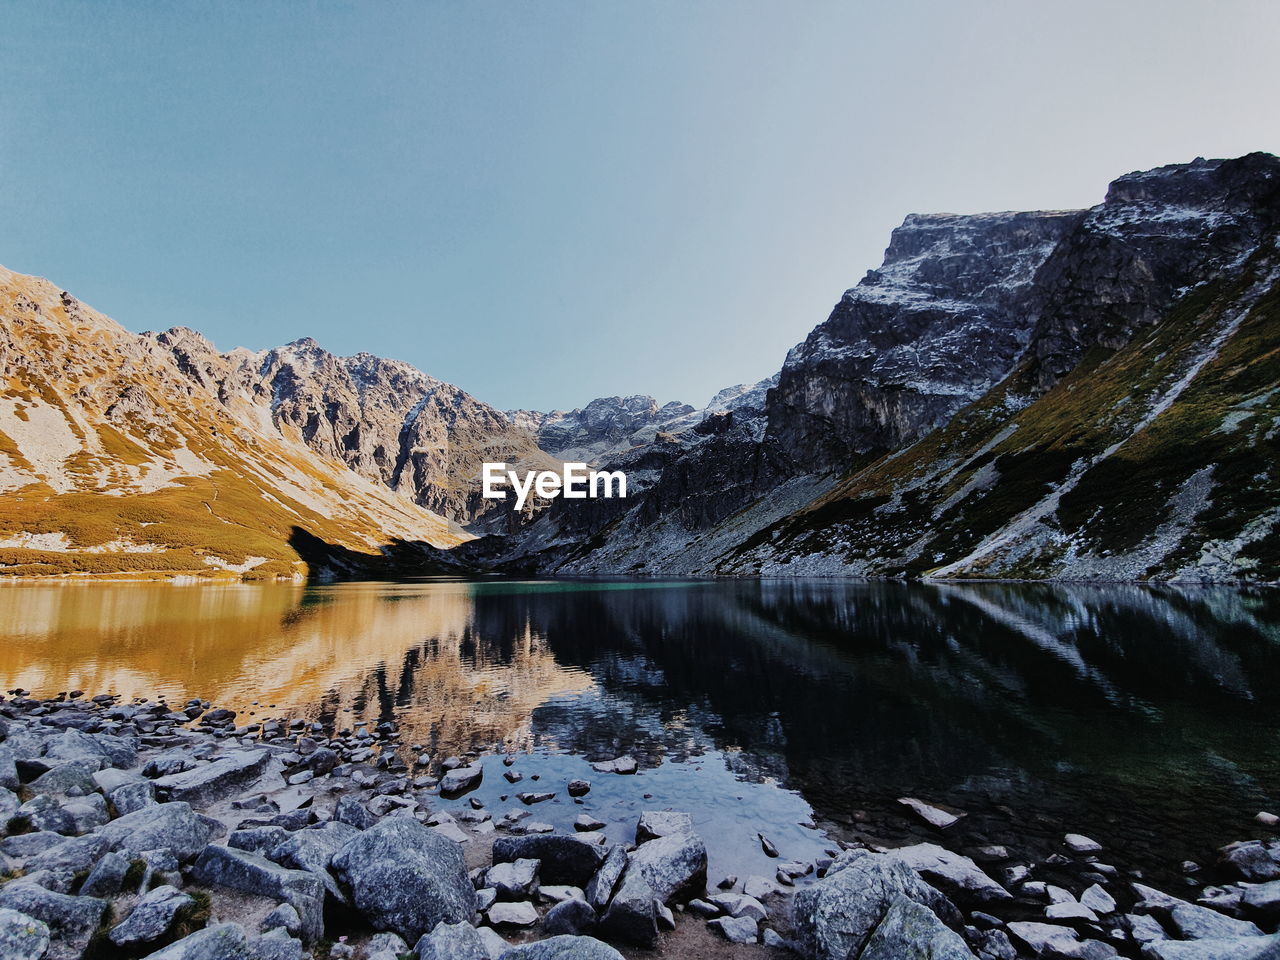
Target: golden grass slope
<point>113,461</point>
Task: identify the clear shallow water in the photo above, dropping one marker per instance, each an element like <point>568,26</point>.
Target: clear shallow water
<point>1145,717</point>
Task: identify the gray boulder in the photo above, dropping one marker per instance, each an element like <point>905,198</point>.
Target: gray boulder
<point>72,921</point>
<point>836,916</point>
<point>45,813</point>
<point>86,813</point>
<point>565,860</point>
<point>225,941</point>
<point>106,879</point>
<point>517,880</point>
<point>71,778</point>
<point>662,823</point>
<point>211,782</point>
<point>100,750</point>
<point>404,878</point>
<point>461,779</point>
<point>276,945</point>
<point>633,913</point>
<point>563,948</point>
<point>1263,899</point>
<point>22,937</point>
<point>451,941</point>
<point>953,874</point>
<point>170,762</point>
<point>571,917</point>
<point>311,850</point>
<point>1251,860</point>
<point>132,797</point>
<point>912,930</point>
<point>151,918</point>
<point>1200,923</point>
<point>174,826</point>
<point>1245,948</point>
<point>220,866</point>
<point>74,854</point>
<point>600,890</point>
<point>673,865</point>
<point>258,839</point>
<point>736,929</point>
<point>283,917</point>
<point>8,770</point>
<point>351,811</point>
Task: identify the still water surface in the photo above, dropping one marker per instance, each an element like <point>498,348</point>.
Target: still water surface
<point>1146,717</point>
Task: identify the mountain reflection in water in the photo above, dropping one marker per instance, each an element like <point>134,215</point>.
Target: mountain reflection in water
<point>1144,714</point>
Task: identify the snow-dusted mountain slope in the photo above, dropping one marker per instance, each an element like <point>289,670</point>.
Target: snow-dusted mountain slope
<point>1052,395</point>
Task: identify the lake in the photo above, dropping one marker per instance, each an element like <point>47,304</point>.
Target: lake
<point>1145,717</point>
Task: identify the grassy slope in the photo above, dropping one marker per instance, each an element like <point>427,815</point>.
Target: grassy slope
<point>250,491</point>
<point>935,502</point>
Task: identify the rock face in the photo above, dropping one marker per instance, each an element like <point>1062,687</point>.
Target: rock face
<point>605,427</point>
<point>937,325</point>
<point>406,879</point>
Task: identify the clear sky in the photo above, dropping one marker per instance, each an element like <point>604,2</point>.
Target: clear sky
<point>545,202</point>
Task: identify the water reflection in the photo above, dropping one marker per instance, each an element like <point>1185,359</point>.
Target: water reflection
<point>1145,714</point>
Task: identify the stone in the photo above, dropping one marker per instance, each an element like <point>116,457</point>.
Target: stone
<point>835,917</point>
<point>662,823</point>
<point>758,887</point>
<point>451,832</point>
<point>1263,899</point>
<point>211,782</point>
<point>586,822</point>
<point>405,878</point>
<point>1046,939</point>
<point>1070,910</point>
<point>1266,819</point>
<point>934,816</point>
<point>86,812</point>
<point>494,945</point>
<point>1200,923</point>
<point>224,941</point>
<point>632,915</point>
<point>736,929</point>
<point>22,937</point>
<point>912,930</point>
<point>172,825</point>
<point>387,942</point>
<point>579,788</point>
<point>486,897</point>
<point>995,945</point>
<point>284,917</point>
<point>564,859</point>
<point>521,914</point>
<point>1250,860</point>
<point>516,880</point>
<point>169,762</point>
<point>600,889</point>
<point>220,866</point>
<point>106,879</point>
<point>151,918</point>
<point>956,875</point>
<point>276,945</point>
<point>623,765</point>
<point>1081,845</point>
<point>30,844</point>
<point>1143,928</point>
<point>740,905</point>
<point>530,798</point>
<point>67,779</point>
<point>45,814</point>
<point>451,941</point>
<point>77,854</point>
<point>132,797</point>
<point>312,849</point>
<point>102,748</point>
<point>350,811</point>
<point>258,839</point>
<point>1098,900</point>
<point>1248,948</point>
<point>672,866</point>
<point>461,779</point>
<point>71,921</point>
<point>558,893</point>
<point>666,919</point>
<point>571,916</point>
<point>563,948</point>
<point>702,908</point>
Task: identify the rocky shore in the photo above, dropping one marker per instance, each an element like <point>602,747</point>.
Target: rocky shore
<point>148,830</point>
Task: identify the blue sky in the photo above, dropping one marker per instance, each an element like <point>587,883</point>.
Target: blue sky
<point>548,202</point>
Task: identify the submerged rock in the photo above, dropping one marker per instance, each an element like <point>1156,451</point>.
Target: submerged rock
<point>934,816</point>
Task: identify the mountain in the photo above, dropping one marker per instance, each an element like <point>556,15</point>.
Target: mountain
<point>1070,394</point>
<point>155,454</point>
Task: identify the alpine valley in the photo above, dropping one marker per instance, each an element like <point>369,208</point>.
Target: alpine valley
<point>1061,395</point>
